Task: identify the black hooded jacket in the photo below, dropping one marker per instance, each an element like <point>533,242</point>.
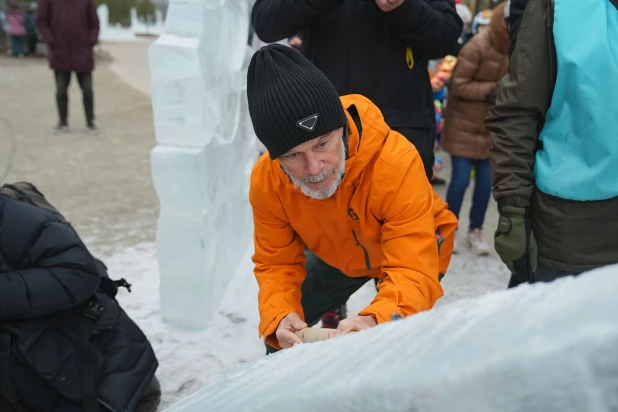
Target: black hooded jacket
<point>46,275</point>
<point>363,50</point>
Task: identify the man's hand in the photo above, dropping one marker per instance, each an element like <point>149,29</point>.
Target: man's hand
<point>388,5</point>
<point>515,243</point>
<point>285,331</point>
<point>353,324</point>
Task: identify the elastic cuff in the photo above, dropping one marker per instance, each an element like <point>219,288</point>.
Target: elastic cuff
<point>516,201</point>
<point>271,327</point>
<point>513,211</point>
<point>381,312</point>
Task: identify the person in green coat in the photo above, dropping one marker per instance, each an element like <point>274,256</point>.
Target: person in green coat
<point>555,142</point>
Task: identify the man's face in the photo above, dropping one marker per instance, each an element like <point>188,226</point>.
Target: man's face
<point>317,166</point>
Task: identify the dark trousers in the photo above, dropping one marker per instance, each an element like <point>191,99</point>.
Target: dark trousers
<point>18,45</point>
<point>423,140</point>
<point>324,289</point>
<point>543,274</point>
<point>63,80</point>
<point>32,41</point>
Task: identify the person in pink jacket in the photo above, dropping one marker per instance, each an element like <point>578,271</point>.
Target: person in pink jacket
<point>16,23</point>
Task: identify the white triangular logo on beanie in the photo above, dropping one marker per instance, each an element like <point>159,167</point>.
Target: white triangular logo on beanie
<point>308,123</point>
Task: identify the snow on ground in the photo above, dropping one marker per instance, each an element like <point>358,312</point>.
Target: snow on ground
<point>190,360</point>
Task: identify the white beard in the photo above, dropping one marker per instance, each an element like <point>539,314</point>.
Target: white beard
<point>327,192</point>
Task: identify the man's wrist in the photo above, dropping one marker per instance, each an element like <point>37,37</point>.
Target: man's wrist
<point>372,319</point>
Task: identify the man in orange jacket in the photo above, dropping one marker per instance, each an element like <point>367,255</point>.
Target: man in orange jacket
<point>338,199</point>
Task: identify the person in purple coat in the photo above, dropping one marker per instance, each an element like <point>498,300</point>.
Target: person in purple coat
<point>16,29</point>
<point>71,29</point>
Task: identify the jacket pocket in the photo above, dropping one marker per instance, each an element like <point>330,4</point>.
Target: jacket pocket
<point>51,355</point>
<point>49,348</point>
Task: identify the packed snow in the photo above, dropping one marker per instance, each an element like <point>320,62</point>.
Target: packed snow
<point>191,360</point>
<point>543,347</point>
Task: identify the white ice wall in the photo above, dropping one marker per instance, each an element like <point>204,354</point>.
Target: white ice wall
<point>537,348</point>
<point>204,154</point>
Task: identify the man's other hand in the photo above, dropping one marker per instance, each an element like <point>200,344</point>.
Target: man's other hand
<point>285,331</point>
<point>353,324</point>
<point>388,5</point>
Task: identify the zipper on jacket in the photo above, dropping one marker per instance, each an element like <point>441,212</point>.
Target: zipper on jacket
<point>553,72</point>
<point>367,262</point>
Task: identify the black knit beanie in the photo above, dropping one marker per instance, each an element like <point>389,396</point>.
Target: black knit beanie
<point>290,100</point>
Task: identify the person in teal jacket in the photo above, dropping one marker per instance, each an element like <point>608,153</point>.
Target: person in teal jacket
<point>555,143</point>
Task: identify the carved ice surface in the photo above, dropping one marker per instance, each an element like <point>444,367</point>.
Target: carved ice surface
<point>537,348</point>
<point>205,151</point>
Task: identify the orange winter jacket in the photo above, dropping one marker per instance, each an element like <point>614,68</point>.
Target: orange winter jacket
<point>381,222</point>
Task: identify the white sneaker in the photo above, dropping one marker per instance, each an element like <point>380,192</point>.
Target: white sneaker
<point>93,130</point>
<point>60,128</point>
<point>474,240</point>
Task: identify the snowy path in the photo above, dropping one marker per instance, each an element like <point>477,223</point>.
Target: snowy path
<point>190,360</point>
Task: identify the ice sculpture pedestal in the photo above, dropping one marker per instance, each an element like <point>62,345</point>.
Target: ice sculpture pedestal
<point>537,348</point>
<point>204,155</point>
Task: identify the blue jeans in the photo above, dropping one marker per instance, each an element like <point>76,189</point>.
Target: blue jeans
<point>18,45</point>
<point>460,178</point>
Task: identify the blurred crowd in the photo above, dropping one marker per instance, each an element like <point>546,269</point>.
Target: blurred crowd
<point>18,22</point>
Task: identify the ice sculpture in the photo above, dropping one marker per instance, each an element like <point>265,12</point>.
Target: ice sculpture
<point>204,155</point>
<point>537,348</point>
<point>103,14</point>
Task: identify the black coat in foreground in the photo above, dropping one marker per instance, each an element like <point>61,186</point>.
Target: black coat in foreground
<point>46,276</point>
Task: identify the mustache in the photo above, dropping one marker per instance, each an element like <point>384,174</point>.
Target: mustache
<point>317,178</point>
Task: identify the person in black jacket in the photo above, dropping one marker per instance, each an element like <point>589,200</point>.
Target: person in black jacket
<point>377,48</point>
<point>48,282</point>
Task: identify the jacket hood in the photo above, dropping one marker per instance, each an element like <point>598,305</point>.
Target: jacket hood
<point>498,32</point>
<point>361,151</point>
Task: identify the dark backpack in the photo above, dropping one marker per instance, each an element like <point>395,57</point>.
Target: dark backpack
<point>91,310</point>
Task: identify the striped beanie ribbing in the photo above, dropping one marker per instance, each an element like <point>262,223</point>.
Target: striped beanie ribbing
<point>290,100</point>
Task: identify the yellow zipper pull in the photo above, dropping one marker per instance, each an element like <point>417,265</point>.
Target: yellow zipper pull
<point>409,58</point>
